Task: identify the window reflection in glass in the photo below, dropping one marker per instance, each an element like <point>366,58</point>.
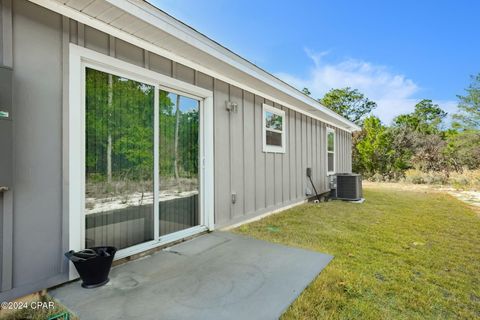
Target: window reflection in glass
<point>331,141</point>
<point>118,160</point>
<point>273,121</point>
<point>179,156</point>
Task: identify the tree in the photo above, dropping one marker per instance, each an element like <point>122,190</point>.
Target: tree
<point>463,149</point>
<point>468,117</point>
<point>403,146</point>
<point>429,153</point>
<point>348,102</point>
<point>373,149</point>
<point>426,118</point>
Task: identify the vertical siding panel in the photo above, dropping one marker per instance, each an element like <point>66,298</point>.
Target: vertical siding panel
<point>338,149</point>
<point>320,158</point>
<point>342,154</point>
<point>309,145</point>
<point>319,155</point>
<point>286,159</point>
<point>260,187</point>
<point>36,44</point>
<point>222,156</point>
<point>292,154</point>
<point>304,154</point>
<point>81,34</point>
<point>313,151</point>
<point>96,40</point>
<point>324,155</point>
<point>349,156</point>
<point>184,73</point>
<point>278,179</point>
<point>128,52</point>
<point>270,173</point>
<point>236,150</point>
<point>316,173</point>
<point>73,31</point>
<point>160,64</point>
<point>204,81</point>
<point>249,151</point>
<point>298,154</point>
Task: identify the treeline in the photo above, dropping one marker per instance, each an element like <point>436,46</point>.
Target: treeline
<point>423,140</point>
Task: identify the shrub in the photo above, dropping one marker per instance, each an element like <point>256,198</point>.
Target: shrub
<point>414,176</point>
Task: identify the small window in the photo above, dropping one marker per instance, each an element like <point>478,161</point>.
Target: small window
<point>273,129</point>
<point>330,151</point>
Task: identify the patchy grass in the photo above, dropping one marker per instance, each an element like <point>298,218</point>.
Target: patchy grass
<point>399,255</point>
<point>465,180</point>
<point>38,313</point>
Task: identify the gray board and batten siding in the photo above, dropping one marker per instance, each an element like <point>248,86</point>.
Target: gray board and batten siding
<point>33,215</point>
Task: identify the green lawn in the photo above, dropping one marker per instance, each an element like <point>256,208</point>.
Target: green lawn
<point>399,255</point>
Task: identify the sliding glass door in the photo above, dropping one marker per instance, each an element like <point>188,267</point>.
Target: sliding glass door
<point>125,205</point>
<point>179,156</point>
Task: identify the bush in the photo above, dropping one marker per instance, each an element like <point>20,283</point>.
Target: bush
<point>414,176</point>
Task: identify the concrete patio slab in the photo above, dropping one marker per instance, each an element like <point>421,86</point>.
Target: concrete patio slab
<point>219,275</point>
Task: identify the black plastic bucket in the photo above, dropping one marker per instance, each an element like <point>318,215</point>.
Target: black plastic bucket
<point>93,265</point>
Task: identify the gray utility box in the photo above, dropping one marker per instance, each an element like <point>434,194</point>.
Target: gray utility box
<point>6,127</point>
<point>347,186</point>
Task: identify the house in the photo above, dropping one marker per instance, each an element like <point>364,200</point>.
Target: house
<point>120,125</point>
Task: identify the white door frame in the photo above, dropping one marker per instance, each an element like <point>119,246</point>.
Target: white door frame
<point>79,59</point>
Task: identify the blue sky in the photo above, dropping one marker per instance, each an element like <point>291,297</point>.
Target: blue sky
<point>396,52</point>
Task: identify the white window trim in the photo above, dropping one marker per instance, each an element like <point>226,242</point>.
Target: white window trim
<point>281,113</point>
<point>79,59</point>
<point>330,130</point>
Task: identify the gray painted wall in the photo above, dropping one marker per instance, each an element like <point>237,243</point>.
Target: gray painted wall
<point>262,181</point>
<point>1,31</point>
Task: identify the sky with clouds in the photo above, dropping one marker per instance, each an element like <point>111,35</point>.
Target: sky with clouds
<point>396,53</point>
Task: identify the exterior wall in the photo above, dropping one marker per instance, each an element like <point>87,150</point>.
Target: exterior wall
<point>261,181</point>
<point>1,239</point>
<point>36,255</point>
<point>1,31</point>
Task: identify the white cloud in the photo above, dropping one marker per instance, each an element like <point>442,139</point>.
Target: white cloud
<point>393,93</point>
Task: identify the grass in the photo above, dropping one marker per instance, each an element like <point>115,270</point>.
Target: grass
<point>399,255</point>
<point>39,313</point>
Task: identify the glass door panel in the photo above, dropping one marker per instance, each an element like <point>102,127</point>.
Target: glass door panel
<point>119,160</point>
<point>179,149</point>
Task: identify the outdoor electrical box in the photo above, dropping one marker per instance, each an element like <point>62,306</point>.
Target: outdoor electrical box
<point>6,127</point>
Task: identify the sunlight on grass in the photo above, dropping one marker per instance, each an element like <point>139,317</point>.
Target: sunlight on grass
<point>399,255</point>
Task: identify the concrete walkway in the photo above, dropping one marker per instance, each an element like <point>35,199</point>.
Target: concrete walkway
<point>215,276</point>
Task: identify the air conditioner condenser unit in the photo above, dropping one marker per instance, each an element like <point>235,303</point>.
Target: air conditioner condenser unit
<point>347,186</point>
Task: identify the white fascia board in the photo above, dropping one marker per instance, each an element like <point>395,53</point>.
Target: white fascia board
<point>273,82</point>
